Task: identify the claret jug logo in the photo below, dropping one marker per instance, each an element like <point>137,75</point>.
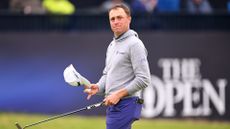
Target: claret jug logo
<point>181,91</point>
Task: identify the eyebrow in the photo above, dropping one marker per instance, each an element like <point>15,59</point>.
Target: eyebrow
<point>118,16</point>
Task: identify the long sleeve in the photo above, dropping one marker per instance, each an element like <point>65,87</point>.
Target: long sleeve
<point>138,56</point>
<point>101,82</point>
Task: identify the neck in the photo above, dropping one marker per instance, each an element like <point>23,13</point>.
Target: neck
<point>119,35</point>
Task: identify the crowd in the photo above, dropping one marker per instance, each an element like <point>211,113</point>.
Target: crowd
<point>101,6</point>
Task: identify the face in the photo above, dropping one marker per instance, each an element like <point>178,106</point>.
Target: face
<point>119,21</point>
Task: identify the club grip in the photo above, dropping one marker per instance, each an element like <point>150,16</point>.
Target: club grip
<point>95,105</point>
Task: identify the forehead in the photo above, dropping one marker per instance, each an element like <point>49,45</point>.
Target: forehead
<point>117,12</point>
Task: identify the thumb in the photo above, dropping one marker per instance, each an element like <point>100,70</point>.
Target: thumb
<point>89,96</point>
<point>88,91</point>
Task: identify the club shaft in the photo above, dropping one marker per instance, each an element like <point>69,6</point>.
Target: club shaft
<point>55,117</point>
<point>64,114</point>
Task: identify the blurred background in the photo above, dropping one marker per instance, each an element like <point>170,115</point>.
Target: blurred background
<point>188,43</point>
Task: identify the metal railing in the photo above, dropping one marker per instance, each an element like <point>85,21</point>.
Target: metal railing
<point>90,22</point>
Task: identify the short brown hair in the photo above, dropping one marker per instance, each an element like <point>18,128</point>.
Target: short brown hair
<point>124,7</point>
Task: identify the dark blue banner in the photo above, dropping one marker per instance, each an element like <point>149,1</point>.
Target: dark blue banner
<point>190,72</point>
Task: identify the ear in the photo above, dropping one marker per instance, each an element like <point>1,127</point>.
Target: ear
<point>129,19</point>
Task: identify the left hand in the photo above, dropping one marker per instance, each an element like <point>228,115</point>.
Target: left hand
<point>115,97</point>
<point>111,99</point>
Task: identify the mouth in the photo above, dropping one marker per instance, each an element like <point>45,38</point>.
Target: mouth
<point>116,27</point>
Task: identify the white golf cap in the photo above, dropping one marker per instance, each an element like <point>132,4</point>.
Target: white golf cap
<point>73,78</point>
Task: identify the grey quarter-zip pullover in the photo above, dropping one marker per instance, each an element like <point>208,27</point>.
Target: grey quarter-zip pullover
<point>126,66</point>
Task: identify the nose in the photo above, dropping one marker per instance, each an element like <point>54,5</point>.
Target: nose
<point>116,20</point>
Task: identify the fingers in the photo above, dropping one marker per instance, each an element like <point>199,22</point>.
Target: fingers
<point>111,100</point>
<point>88,91</point>
<point>108,102</point>
<point>86,87</point>
<point>89,96</point>
<point>91,90</point>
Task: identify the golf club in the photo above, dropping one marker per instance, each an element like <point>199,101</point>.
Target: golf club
<point>61,115</point>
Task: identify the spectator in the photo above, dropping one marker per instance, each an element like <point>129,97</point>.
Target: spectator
<point>197,6</point>
<point>110,3</point>
<point>27,6</point>
<point>59,6</point>
<point>143,6</point>
<point>168,6</point>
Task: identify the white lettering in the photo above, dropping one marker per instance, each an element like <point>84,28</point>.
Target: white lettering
<point>181,84</point>
<point>154,98</point>
<point>210,93</point>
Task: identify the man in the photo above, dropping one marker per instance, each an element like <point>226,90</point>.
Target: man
<point>125,74</point>
<point>143,6</point>
<point>198,6</point>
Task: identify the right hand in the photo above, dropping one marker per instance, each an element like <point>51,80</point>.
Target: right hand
<point>91,90</point>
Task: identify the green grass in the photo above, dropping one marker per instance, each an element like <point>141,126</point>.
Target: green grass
<point>7,121</point>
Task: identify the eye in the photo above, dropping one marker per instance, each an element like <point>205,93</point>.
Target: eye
<point>119,17</point>
<point>112,19</point>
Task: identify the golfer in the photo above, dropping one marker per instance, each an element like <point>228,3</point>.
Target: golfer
<point>125,74</point>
